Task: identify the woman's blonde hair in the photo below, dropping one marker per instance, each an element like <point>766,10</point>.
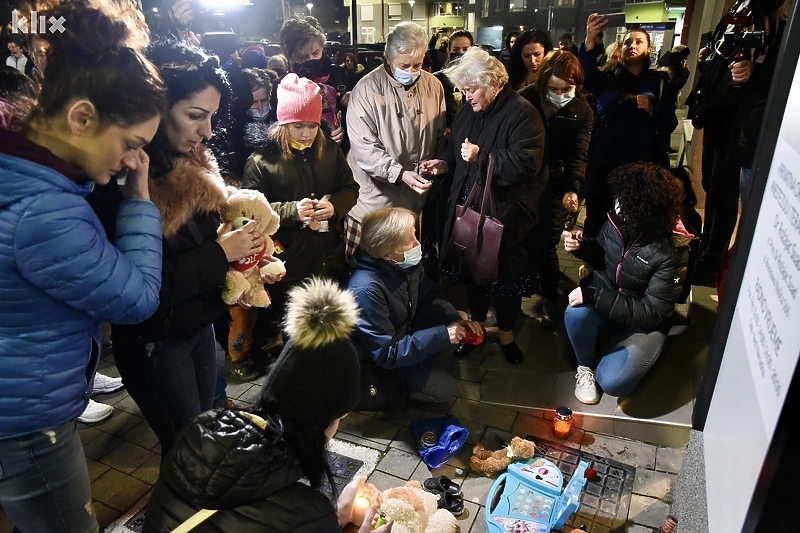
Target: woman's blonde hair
<point>384,230</point>
<point>279,133</point>
<point>610,49</point>
<point>477,67</point>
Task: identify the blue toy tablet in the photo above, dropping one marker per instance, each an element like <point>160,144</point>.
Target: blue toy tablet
<point>527,498</point>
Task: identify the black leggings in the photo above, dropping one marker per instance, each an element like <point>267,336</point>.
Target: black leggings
<point>505,307</point>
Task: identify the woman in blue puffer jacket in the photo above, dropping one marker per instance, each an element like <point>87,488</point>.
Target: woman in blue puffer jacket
<point>59,275</point>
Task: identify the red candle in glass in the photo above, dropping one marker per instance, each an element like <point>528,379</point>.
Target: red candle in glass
<point>562,423</point>
<point>472,338</point>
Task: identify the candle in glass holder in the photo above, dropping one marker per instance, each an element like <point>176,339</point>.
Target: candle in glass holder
<point>562,423</point>
<point>360,507</point>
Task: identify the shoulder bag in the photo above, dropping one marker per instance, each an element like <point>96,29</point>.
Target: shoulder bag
<point>474,247</point>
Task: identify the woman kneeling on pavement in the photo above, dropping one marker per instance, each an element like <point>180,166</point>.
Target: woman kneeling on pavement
<point>407,324</point>
<point>618,319</point>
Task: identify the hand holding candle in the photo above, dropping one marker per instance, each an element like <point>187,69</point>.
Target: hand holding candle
<point>355,502</point>
<point>360,508</point>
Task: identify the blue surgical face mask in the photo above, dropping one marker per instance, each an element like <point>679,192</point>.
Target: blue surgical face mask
<point>560,100</point>
<point>411,257</point>
<point>258,116</point>
<point>405,77</point>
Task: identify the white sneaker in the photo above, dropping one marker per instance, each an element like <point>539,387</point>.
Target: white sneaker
<point>106,384</point>
<point>585,386</point>
<point>95,412</point>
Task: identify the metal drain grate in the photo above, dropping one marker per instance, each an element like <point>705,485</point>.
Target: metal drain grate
<point>344,470</point>
<point>606,499</point>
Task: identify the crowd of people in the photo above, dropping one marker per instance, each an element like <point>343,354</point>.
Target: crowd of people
<point>118,158</point>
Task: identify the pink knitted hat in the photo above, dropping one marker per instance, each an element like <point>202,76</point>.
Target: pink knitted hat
<point>299,100</point>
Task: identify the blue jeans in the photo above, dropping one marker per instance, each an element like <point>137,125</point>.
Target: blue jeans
<point>44,482</point>
<point>171,381</point>
<point>629,352</point>
<point>221,387</point>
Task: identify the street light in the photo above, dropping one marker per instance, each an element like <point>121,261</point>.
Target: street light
<point>411,3</point>
<point>309,6</point>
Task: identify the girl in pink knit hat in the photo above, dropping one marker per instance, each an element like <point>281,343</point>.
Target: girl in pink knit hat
<point>303,173</point>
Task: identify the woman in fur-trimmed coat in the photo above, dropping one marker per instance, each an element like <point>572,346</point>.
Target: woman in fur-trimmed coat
<point>168,363</point>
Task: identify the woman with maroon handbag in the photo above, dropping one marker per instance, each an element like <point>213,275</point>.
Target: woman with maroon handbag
<point>501,123</point>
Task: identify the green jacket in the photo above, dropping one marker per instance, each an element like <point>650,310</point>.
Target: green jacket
<point>285,181</point>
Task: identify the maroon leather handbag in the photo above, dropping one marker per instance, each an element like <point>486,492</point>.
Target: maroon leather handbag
<point>474,246</point>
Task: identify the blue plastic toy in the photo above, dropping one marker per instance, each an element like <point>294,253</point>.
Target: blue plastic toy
<point>527,498</point>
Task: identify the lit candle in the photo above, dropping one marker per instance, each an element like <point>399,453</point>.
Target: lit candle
<point>360,507</point>
<point>562,423</point>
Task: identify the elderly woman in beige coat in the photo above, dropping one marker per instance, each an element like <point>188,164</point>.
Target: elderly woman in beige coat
<point>395,120</point>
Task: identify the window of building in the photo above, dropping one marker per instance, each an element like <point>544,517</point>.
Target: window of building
<point>518,5</point>
<point>449,9</point>
<point>366,13</point>
<point>395,12</point>
<point>367,35</point>
<point>485,9</point>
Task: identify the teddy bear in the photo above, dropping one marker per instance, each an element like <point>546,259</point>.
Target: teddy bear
<point>416,511</point>
<point>241,281</point>
<point>492,462</point>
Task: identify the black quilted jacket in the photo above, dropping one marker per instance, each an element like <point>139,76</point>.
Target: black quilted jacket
<point>634,283</point>
<point>224,461</point>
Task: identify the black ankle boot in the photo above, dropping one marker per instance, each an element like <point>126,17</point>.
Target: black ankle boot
<point>512,353</point>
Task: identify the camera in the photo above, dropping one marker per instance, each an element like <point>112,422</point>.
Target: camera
<point>738,40</point>
<point>743,39</point>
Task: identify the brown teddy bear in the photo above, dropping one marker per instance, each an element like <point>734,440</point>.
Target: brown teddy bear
<point>241,281</point>
<point>492,462</point>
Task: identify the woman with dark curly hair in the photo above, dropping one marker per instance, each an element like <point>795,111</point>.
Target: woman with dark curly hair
<point>528,51</point>
<point>639,259</point>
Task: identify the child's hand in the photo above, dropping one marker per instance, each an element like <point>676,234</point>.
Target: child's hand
<point>323,210</point>
<point>305,209</point>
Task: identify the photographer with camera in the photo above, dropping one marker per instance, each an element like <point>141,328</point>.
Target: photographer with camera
<point>728,105</point>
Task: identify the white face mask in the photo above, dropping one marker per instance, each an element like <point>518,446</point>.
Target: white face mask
<point>406,77</point>
<point>560,100</point>
<point>258,116</point>
<point>411,257</point>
